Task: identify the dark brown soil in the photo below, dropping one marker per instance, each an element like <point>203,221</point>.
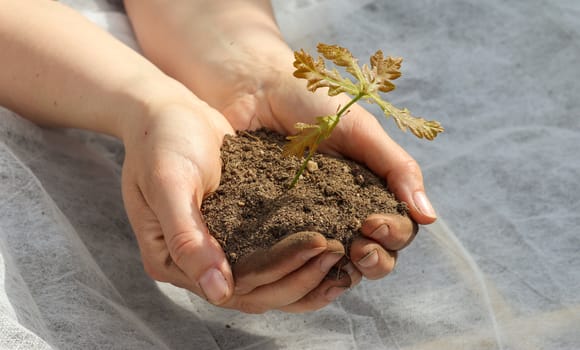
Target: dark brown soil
<point>253,207</point>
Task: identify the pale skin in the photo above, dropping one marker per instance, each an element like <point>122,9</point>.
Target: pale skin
<point>209,68</point>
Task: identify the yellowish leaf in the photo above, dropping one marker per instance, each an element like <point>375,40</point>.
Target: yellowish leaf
<point>341,57</point>
<point>317,75</point>
<point>309,136</point>
<point>420,127</point>
<point>383,70</point>
<point>386,68</point>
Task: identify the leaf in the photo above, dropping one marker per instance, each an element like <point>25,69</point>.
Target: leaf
<point>370,82</point>
<point>420,127</point>
<point>310,136</point>
<point>341,57</point>
<point>386,68</point>
<point>383,70</point>
<point>317,75</point>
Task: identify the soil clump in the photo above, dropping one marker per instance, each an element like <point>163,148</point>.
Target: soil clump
<point>253,207</point>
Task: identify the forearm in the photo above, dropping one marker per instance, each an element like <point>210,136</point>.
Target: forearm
<point>181,36</point>
<point>58,69</point>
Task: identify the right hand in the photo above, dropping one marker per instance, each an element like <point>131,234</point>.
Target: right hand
<point>171,163</point>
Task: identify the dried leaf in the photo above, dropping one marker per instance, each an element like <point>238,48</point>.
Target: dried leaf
<point>382,71</point>
<point>420,127</point>
<point>341,57</point>
<point>386,68</point>
<point>310,136</point>
<point>370,81</point>
<point>317,75</point>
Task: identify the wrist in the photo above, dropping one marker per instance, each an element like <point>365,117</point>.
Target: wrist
<point>142,100</point>
<point>239,28</point>
<point>160,101</point>
<point>202,32</point>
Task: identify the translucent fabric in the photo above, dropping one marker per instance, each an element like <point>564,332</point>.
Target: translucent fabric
<point>499,270</point>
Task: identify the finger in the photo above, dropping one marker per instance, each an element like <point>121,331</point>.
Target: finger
<point>326,292</point>
<point>334,285</point>
<point>190,245</point>
<point>265,266</point>
<point>353,273</point>
<point>155,256</point>
<point>393,232</point>
<point>289,289</point>
<point>372,260</point>
<point>361,137</point>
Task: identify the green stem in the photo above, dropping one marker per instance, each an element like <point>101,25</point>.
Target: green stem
<point>300,171</point>
<point>346,107</point>
<point>320,139</point>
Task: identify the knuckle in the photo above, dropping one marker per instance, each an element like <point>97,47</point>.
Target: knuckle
<point>408,166</point>
<point>412,165</point>
<point>153,271</point>
<point>405,172</point>
<point>182,245</point>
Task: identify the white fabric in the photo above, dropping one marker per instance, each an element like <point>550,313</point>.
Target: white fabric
<point>500,269</point>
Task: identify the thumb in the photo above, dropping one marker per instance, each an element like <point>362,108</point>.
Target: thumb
<point>191,247</point>
<point>406,182</point>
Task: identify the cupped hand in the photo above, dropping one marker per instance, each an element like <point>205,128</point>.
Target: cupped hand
<point>172,161</point>
<point>293,276</point>
<point>256,89</point>
<point>232,56</point>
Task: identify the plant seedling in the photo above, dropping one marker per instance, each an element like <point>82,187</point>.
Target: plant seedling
<point>369,82</point>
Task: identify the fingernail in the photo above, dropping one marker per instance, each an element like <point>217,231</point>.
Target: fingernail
<point>423,204</point>
<point>334,292</point>
<point>369,260</point>
<point>380,234</point>
<point>329,259</point>
<point>214,285</point>
<point>352,273</point>
<point>349,268</point>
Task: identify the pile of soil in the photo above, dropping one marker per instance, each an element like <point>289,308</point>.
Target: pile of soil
<point>253,207</point>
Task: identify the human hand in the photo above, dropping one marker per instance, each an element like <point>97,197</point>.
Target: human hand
<point>172,143</point>
<point>295,275</point>
<point>261,92</point>
<point>360,137</point>
<point>234,58</point>
<point>172,162</point>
